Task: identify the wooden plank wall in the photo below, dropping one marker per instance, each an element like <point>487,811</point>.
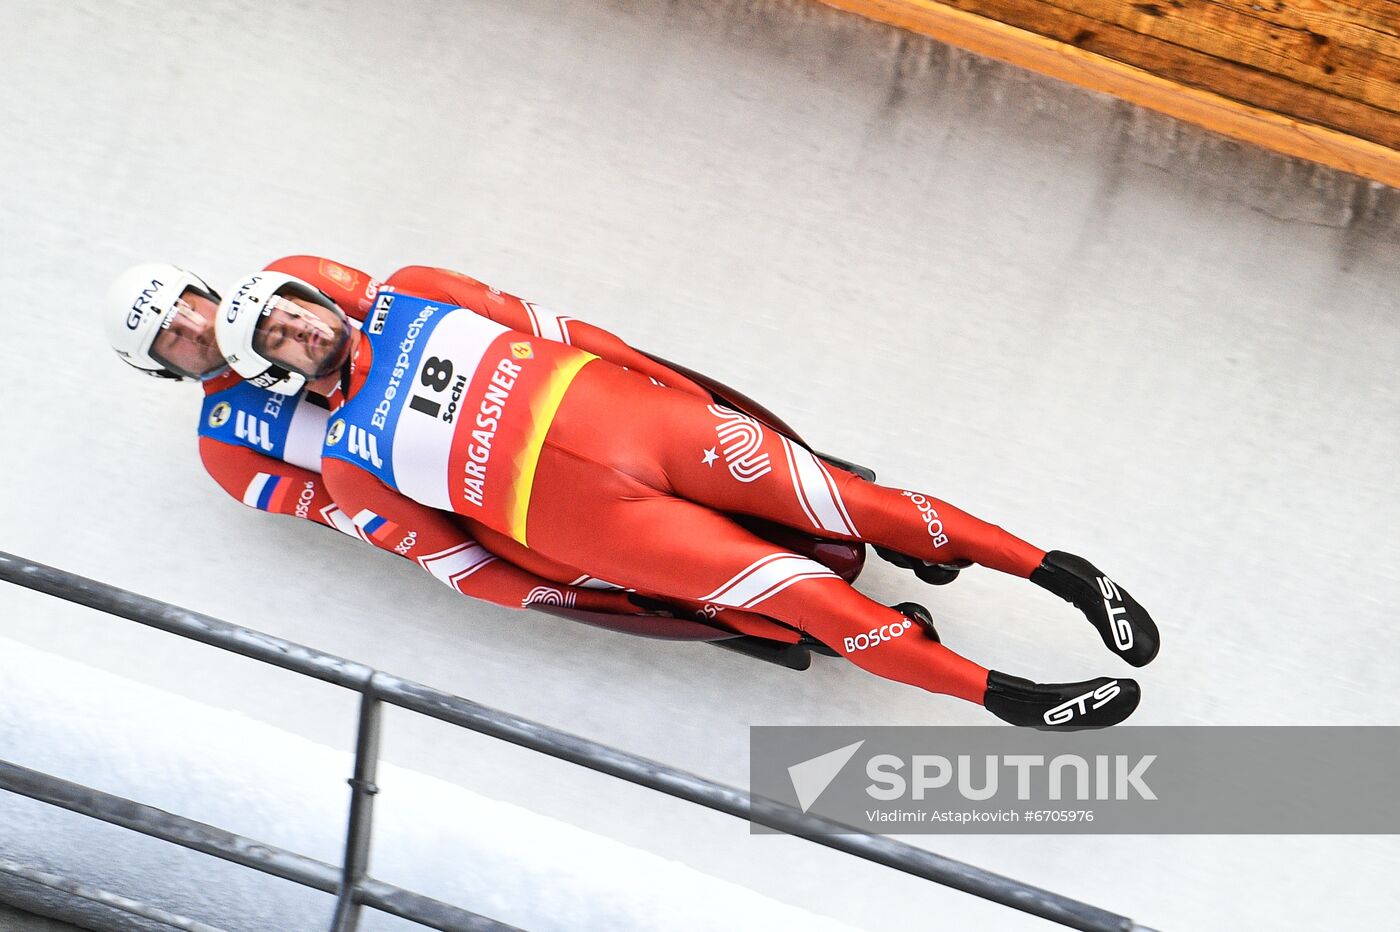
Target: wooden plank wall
<point>1319,79</point>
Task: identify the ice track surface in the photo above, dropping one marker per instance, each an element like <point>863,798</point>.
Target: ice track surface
<point>1111,333</point>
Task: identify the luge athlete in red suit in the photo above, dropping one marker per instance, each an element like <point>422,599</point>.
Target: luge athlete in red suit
<point>264,448</point>
<point>589,457</point>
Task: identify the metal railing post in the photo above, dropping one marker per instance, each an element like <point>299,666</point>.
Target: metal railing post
<point>357,834</point>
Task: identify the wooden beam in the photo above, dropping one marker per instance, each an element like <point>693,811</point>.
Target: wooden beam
<point>1305,138</point>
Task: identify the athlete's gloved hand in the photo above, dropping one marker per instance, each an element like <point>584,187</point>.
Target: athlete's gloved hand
<point>1124,625</point>
<point>649,606</point>
<point>935,574</point>
<point>921,617</point>
<point>607,601</point>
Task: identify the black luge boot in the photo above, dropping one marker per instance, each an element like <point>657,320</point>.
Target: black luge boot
<point>1124,625</point>
<point>920,616</point>
<point>935,574</point>
<point>1094,703</point>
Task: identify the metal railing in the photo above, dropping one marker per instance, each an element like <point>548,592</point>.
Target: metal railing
<point>350,883</point>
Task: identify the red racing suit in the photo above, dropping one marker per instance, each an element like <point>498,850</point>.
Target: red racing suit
<point>264,449</point>
<point>593,458</point>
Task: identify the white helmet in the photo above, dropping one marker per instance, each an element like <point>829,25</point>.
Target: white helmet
<point>236,329</point>
<point>141,302</point>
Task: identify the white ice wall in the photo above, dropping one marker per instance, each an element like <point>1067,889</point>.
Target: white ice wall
<point>1108,332</point>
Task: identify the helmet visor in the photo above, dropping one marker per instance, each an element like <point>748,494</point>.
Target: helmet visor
<point>302,336</point>
<point>185,343</point>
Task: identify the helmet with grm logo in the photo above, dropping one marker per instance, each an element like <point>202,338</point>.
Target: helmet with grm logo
<point>278,332</point>
<point>155,323</point>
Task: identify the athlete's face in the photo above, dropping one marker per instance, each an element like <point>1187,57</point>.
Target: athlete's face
<point>185,343</point>
<point>302,336</point>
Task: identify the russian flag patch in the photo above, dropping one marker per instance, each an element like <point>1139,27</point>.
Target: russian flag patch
<point>267,492</point>
<point>374,526</point>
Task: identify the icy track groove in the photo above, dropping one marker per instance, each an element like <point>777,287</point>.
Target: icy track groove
<point>1107,332</point>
